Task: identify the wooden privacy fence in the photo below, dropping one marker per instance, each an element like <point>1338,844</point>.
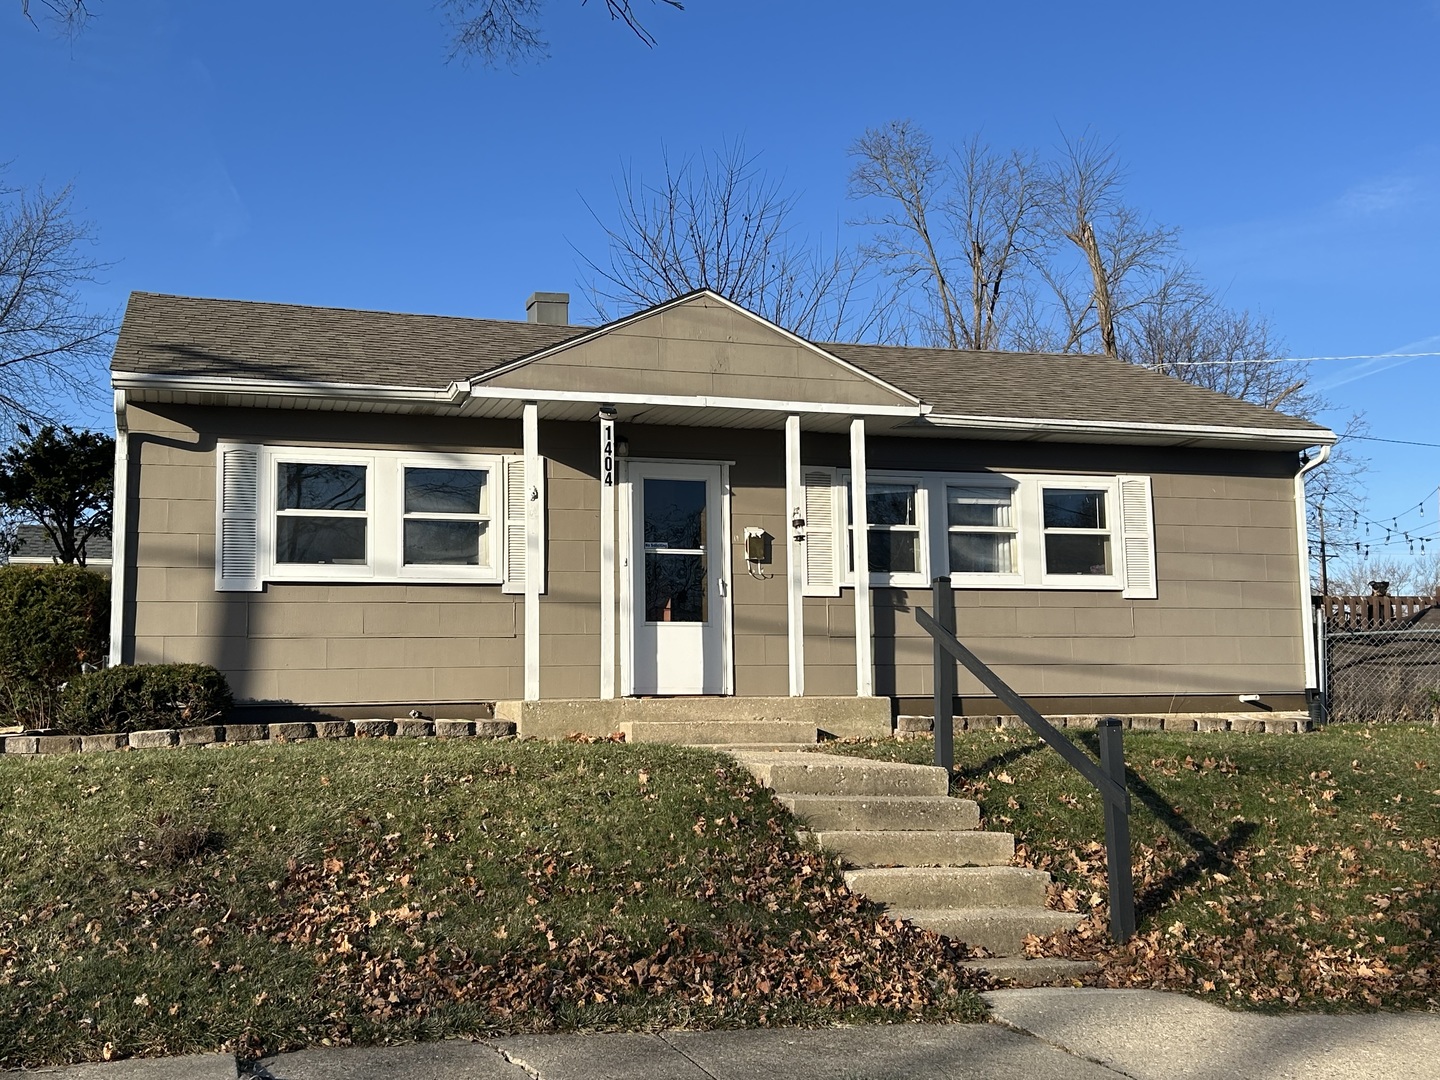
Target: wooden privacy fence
<point>1372,612</point>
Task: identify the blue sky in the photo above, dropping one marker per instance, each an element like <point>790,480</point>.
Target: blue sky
<point>326,153</point>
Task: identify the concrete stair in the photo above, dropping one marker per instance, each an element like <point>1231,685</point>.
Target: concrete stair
<point>921,853</point>
<point>722,733</point>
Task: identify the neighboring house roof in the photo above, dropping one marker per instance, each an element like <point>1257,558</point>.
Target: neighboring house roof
<point>200,346</point>
<point>33,546</point>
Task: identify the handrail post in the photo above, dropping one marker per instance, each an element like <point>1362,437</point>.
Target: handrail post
<point>1117,834</point>
<point>943,599</point>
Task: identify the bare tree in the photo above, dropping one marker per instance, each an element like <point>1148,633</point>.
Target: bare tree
<point>68,16</point>
<point>508,32</point>
<point>952,231</point>
<point>722,223</point>
<point>50,345</point>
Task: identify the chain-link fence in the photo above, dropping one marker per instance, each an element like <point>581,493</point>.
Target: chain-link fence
<point>1386,674</point>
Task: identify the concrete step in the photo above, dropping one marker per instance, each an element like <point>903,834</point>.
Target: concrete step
<point>919,848</point>
<point>831,813</point>
<point>1000,930</point>
<point>1040,971</point>
<point>835,774</point>
<point>720,732</point>
<point>758,749</point>
<point>937,888</point>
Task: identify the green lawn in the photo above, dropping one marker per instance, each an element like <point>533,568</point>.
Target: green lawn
<point>265,898</point>
<point>1271,871</point>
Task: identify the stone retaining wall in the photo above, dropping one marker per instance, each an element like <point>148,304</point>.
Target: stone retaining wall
<point>36,744</point>
<point>1289,723</point>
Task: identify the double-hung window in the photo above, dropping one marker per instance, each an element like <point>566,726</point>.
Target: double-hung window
<point>984,530</point>
<point>321,514</point>
<point>980,522</point>
<point>446,517</point>
<point>1076,521</point>
<point>286,513</point>
<point>895,518</point>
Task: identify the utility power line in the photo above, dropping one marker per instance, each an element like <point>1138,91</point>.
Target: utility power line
<point>1284,360</point>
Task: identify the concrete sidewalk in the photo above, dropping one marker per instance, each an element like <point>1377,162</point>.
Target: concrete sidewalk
<point>1037,1034</point>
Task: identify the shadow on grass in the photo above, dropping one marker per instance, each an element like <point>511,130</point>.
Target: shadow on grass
<point>969,773</point>
<point>1210,856</point>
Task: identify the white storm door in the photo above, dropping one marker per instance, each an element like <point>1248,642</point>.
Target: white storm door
<point>679,579</point>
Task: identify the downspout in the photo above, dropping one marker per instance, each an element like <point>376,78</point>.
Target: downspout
<point>118,554</point>
<point>1314,694</point>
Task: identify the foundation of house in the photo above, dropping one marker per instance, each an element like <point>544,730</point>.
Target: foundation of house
<point>702,720</point>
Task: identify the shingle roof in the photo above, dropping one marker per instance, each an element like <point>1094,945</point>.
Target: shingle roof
<point>1050,387</point>
<point>180,335</point>
<point>32,542</point>
<point>175,335</point>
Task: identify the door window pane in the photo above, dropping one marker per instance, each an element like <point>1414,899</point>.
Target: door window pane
<point>675,514</point>
<point>675,588</point>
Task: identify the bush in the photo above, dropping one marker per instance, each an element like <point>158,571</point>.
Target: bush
<point>53,620</point>
<point>142,696</point>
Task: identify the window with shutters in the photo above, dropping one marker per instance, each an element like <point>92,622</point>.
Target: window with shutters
<point>305,514</point>
<point>992,530</point>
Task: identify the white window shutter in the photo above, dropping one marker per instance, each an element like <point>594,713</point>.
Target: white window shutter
<point>517,494</point>
<point>237,518</point>
<point>1137,526</point>
<point>822,533</point>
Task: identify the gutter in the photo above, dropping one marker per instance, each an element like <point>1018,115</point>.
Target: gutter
<point>120,499</point>
<point>1045,426</point>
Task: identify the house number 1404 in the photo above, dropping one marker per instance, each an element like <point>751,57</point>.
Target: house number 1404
<point>607,452</point>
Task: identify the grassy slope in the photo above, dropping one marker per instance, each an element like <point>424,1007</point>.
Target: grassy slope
<point>262,898</point>
<point>1270,870</point>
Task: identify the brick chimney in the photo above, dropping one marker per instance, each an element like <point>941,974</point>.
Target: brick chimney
<point>552,308</point>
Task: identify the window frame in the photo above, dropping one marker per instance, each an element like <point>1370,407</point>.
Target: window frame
<point>1027,512</point>
<point>886,580</point>
<point>1113,533</point>
<point>979,579</point>
<point>493,517</point>
<point>384,516</point>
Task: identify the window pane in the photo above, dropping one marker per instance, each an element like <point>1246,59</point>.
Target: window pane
<point>981,553</point>
<point>1073,509</point>
<point>675,588</point>
<point>446,543</point>
<point>674,513</point>
<point>1072,554</point>
<point>320,540</point>
<point>978,506</point>
<point>890,504</point>
<point>894,552</point>
<point>444,491</point>
<point>317,486</point>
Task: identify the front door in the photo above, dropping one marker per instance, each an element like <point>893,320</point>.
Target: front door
<point>679,579</point>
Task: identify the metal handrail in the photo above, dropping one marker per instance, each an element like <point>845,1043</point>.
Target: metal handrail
<point>1107,777</point>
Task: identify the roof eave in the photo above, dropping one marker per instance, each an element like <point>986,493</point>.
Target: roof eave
<point>1037,429</point>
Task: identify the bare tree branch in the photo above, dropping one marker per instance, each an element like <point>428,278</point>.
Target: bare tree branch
<point>50,345</point>
<point>505,33</point>
<point>721,223</point>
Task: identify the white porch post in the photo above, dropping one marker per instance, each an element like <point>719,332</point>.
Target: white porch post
<point>860,556</point>
<point>795,555</point>
<point>607,551</point>
<point>533,510</point>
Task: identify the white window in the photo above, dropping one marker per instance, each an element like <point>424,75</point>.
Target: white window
<point>980,524</point>
<point>895,516</point>
<point>1076,521</point>
<point>987,530</point>
<point>307,514</point>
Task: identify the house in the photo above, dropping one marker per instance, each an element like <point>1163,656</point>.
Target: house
<point>361,511</point>
<point>33,547</point>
